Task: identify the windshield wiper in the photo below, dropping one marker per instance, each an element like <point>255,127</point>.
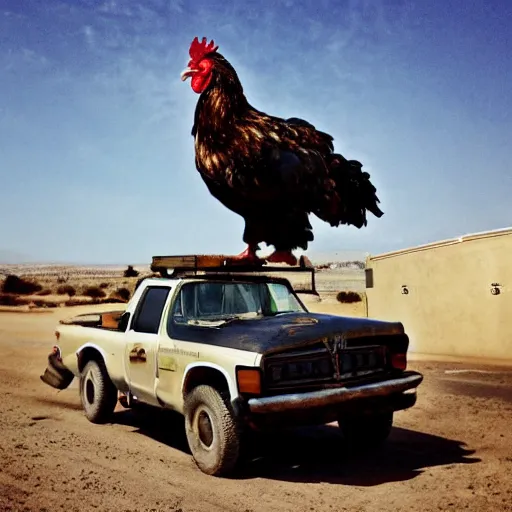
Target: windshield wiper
<point>275,313</point>
<point>218,322</point>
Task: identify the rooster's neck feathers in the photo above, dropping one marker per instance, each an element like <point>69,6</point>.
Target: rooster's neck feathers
<point>233,140</point>
<point>222,101</point>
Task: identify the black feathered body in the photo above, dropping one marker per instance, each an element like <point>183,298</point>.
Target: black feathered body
<point>271,171</point>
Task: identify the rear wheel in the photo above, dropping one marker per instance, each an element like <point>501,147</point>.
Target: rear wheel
<point>211,431</point>
<point>366,430</point>
<point>97,392</point>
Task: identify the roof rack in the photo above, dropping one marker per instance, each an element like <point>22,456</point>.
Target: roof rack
<point>215,264</point>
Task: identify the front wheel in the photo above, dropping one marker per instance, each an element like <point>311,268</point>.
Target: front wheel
<point>211,431</point>
<point>366,430</point>
<point>97,392</point>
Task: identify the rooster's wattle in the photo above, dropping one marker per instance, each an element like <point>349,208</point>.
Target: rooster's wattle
<point>273,172</point>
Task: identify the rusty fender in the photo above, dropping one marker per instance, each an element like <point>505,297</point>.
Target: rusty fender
<point>329,397</point>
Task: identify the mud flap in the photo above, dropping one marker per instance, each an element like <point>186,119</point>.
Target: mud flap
<point>56,374</point>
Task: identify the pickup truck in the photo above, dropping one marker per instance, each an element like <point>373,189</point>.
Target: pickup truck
<point>235,353</point>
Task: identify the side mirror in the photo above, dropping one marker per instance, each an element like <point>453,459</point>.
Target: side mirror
<point>123,322</point>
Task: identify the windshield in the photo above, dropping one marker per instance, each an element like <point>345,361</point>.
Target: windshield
<point>220,302</point>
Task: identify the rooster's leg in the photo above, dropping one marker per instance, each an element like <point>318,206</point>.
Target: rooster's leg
<point>280,256</point>
<point>248,256</point>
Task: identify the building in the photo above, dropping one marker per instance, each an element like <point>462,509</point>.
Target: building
<point>454,297</point>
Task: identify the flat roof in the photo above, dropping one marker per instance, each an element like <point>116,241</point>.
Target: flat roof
<point>443,243</point>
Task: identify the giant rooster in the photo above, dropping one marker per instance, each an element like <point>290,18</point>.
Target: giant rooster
<point>271,171</point>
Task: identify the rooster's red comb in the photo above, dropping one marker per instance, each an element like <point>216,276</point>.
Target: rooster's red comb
<point>199,49</point>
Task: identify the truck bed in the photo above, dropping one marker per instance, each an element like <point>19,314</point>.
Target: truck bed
<point>107,320</point>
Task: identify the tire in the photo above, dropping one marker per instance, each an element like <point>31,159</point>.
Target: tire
<point>367,430</point>
<point>97,392</point>
<point>212,432</point>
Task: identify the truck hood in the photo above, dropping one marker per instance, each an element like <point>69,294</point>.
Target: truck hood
<point>281,332</point>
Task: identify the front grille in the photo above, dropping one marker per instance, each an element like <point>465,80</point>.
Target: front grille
<point>353,362</point>
<point>314,367</point>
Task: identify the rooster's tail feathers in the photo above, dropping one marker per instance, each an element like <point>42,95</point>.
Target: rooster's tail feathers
<point>355,191</point>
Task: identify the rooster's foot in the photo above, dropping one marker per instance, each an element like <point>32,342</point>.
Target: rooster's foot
<point>283,257</point>
<point>248,257</point>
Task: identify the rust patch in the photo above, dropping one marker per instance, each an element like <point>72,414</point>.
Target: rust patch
<point>294,326</point>
<point>137,355</point>
<point>305,320</point>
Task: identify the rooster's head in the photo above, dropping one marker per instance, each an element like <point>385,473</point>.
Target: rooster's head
<point>205,65</point>
<point>200,66</point>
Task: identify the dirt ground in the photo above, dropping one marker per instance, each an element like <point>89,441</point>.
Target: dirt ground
<point>452,451</point>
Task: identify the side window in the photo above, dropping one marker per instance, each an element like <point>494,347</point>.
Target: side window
<point>150,310</point>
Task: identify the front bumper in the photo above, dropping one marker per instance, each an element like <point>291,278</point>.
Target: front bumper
<point>390,390</point>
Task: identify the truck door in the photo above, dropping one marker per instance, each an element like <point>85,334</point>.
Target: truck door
<point>142,343</point>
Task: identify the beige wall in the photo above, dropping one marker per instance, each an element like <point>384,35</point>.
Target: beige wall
<point>449,308</point>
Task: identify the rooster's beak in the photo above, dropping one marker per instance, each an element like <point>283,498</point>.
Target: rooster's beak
<point>186,73</point>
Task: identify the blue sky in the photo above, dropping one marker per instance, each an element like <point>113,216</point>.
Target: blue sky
<point>96,156</point>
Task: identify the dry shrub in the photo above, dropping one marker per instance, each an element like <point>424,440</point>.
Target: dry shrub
<point>16,300</point>
<point>85,301</point>
<point>13,300</point>
<point>78,302</point>
<point>104,285</point>
<point>19,286</point>
<point>44,292</point>
<point>43,304</point>
<point>348,297</point>
<point>110,300</point>
<point>66,290</point>
<point>95,292</point>
<point>130,272</point>
<point>123,294</point>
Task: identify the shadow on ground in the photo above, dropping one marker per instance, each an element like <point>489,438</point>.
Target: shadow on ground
<point>317,454</point>
<point>164,426</point>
